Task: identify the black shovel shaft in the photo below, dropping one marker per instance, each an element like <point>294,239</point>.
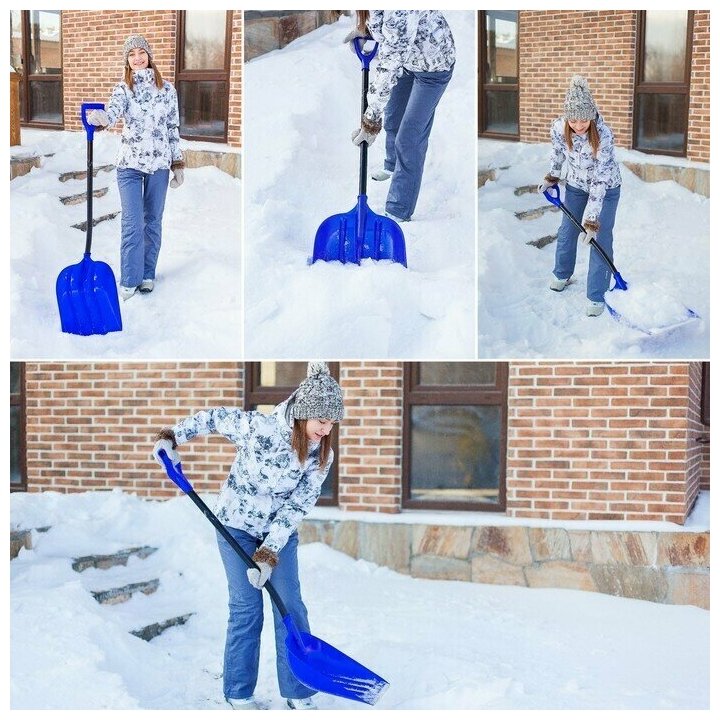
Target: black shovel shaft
<point>88,231</point>
<point>594,243</point>
<point>279,604</point>
<point>364,145</point>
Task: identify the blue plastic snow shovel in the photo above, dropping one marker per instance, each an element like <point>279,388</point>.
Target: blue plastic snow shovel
<point>553,195</point>
<point>315,663</point>
<point>86,292</point>
<point>360,233</point>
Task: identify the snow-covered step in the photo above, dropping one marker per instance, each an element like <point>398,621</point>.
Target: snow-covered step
<point>124,593</point>
<point>82,174</point>
<point>19,539</point>
<point>96,220</point>
<point>543,241</point>
<point>82,197</point>
<point>107,561</point>
<point>535,212</point>
<point>148,632</point>
<point>524,189</point>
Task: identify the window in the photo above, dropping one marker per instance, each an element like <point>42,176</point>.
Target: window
<point>498,70</point>
<point>267,384</point>
<point>203,73</point>
<point>705,394</point>
<point>36,53</point>
<point>455,435</point>
<point>18,475</point>
<point>662,82</point>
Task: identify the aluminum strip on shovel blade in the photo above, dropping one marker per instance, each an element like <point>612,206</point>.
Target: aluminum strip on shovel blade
<point>649,309</point>
<point>324,668</point>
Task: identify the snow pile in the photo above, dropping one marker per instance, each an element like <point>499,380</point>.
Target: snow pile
<point>300,167</point>
<point>440,644</point>
<point>195,309</point>
<point>661,249</point>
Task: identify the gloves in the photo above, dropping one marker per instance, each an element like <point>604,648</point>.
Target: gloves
<point>266,560</point>
<point>351,36</point>
<point>367,132</point>
<point>547,183</point>
<point>178,178</point>
<point>98,117</point>
<point>169,447</point>
<point>591,231</point>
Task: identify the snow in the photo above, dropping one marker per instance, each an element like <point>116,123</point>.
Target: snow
<point>661,248</point>
<point>300,168</point>
<point>195,309</point>
<point>440,644</point>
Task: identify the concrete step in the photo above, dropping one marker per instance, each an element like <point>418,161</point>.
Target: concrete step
<point>82,197</point>
<point>535,212</point>
<point>82,174</point>
<point>103,562</point>
<point>96,221</point>
<point>543,241</point>
<point>116,595</point>
<point>148,632</point>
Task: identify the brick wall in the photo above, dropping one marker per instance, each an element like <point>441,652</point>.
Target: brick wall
<point>555,45</point>
<point>92,426</point>
<point>601,441</point>
<point>699,127</point>
<point>585,440</point>
<point>371,436</point>
<point>93,62</point>
<point>600,45</point>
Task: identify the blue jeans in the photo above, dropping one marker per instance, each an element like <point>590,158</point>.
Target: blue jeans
<point>599,274</point>
<point>245,621</point>
<point>142,196</point>
<point>409,118</point>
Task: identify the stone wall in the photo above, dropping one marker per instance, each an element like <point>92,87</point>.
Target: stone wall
<point>664,567</point>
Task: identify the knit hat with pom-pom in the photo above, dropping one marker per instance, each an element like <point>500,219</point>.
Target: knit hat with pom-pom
<point>579,103</point>
<point>318,395</point>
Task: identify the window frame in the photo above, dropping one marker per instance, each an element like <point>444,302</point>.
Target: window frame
<point>26,78</point>
<point>503,87</point>
<point>657,88</point>
<point>183,75</point>
<point>19,399</point>
<point>416,394</point>
<point>257,394</point>
<point>705,394</point>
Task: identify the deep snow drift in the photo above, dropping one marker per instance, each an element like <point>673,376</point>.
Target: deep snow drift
<point>301,167</point>
<point>440,644</point>
<point>195,308</point>
<point>661,249</point>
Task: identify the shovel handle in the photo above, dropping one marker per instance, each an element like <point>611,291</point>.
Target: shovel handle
<point>89,129</point>
<point>365,58</point>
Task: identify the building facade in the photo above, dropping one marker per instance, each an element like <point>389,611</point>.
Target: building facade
<point>649,72</point>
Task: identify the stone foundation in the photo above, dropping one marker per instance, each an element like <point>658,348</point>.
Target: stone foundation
<point>229,162</point>
<point>696,180</point>
<point>671,568</point>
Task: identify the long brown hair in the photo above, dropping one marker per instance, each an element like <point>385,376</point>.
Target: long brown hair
<point>299,443</point>
<point>593,136</point>
<point>129,74</point>
<point>362,17</point>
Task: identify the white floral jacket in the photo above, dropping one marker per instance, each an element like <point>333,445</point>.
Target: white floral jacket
<point>415,40</point>
<point>268,490</point>
<point>150,138</point>
<point>592,174</point>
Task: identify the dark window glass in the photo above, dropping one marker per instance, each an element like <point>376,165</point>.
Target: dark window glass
<point>46,101</point>
<point>501,112</point>
<point>705,394</point>
<point>662,121</point>
<point>283,374</point>
<point>18,475</point>
<point>457,373</point>
<point>203,108</point>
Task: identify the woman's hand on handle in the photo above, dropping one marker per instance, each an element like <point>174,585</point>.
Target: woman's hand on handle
<point>167,446</point>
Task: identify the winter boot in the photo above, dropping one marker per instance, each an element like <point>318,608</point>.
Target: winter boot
<point>127,292</point>
<point>558,285</point>
<point>395,217</point>
<point>594,309</point>
<point>146,286</point>
<point>381,174</point>
<point>301,704</point>
<point>249,703</point>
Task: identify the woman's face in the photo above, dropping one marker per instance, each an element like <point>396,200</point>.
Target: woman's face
<point>138,59</point>
<point>317,428</point>
<point>579,126</point>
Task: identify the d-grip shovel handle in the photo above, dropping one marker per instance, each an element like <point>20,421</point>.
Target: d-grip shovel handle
<point>552,194</point>
<point>175,473</point>
<point>89,129</point>
<point>365,58</point>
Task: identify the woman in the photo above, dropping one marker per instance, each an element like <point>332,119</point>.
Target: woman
<point>149,150</point>
<point>282,460</point>
<point>592,192</point>
<point>415,60</point>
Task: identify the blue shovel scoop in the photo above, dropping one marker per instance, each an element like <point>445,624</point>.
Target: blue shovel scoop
<point>315,663</point>
<point>360,233</point>
<point>86,292</point>
<point>553,195</point>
